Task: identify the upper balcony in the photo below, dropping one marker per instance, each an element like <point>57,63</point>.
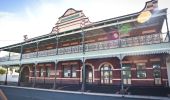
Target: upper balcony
<point>129,33</point>
<point>150,39</point>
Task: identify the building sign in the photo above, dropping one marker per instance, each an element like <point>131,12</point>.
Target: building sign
<point>144,16</point>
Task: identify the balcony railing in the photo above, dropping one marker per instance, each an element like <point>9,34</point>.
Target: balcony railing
<point>124,42</point>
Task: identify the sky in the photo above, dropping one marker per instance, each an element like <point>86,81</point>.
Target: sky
<point>37,17</point>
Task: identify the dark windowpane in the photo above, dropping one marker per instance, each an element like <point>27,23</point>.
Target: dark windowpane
<point>141,73</point>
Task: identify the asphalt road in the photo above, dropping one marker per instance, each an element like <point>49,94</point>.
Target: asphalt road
<point>33,94</point>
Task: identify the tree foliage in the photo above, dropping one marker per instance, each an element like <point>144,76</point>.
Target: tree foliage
<point>2,71</point>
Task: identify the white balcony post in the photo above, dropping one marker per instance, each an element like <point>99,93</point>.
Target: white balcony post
<point>55,70</point>
<point>122,84</point>
<point>35,72</point>
<point>83,75</point>
<point>19,77</point>
<point>83,59</point>
<point>6,77</point>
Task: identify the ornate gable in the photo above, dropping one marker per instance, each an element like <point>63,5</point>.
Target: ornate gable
<point>69,12</point>
<point>71,19</point>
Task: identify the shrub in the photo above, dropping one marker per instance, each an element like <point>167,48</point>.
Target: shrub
<point>2,71</point>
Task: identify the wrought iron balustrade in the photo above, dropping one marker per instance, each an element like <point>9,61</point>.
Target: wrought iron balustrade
<point>142,40</point>
<point>15,57</point>
<point>4,59</point>
<point>47,53</point>
<point>123,42</point>
<point>29,55</point>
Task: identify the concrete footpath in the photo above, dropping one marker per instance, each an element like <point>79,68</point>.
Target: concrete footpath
<point>27,93</point>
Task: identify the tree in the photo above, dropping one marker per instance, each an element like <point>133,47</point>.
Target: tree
<point>2,71</point>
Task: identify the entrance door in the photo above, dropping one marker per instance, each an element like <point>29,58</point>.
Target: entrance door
<point>25,74</point>
<point>106,74</point>
<point>157,73</point>
<point>89,74</point>
<point>126,71</point>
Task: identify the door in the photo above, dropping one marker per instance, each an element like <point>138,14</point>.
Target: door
<point>25,74</point>
<point>89,74</point>
<point>106,74</point>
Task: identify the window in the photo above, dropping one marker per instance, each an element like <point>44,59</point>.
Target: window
<point>141,73</point>
<point>157,73</point>
<point>41,72</point>
<point>74,71</point>
<point>70,71</point>
<point>156,70</point>
<point>106,74</point>
<point>126,72</point>
<point>67,71</point>
<point>47,71</point>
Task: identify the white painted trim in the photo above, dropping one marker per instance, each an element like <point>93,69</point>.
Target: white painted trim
<point>116,79</point>
<point>149,79</point>
<point>116,69</point>
<point>97,78</point>
<point>164,79</point>
<point>42,77</point>
<point>148,68</point>
<point>105,63</point>
<point>112,68</point>
<point>133,68</point>
<point>69,78</point>
<point>163,67</point>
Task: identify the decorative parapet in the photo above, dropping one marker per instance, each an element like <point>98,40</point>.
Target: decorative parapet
<point>71,19</point>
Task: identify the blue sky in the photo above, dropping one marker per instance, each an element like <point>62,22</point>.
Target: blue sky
<point>37,17</point>
<point>16,5</point>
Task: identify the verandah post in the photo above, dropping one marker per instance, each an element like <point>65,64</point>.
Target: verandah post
<point>122,84</point>
<point>55,70</point>
<point>6,77</point>
<point>20,65</point>
<point>19,77</point>
<point>35,74</point>
<point>83,75</point>
<point>83,59</point>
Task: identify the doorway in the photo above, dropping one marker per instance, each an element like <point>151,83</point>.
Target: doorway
<point>25,74</point>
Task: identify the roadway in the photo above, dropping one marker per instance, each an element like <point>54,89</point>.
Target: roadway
<point>22,93</point>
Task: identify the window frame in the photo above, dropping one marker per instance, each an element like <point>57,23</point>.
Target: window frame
<point>141,70</point>
<point>127,69</point>
<point>157,63</point>
<point>72,70</point>
<point>47,71</point>
<point>110,71</point>
<point>41,73</point>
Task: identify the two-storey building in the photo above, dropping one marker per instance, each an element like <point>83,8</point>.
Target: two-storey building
<point>130,50</point>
